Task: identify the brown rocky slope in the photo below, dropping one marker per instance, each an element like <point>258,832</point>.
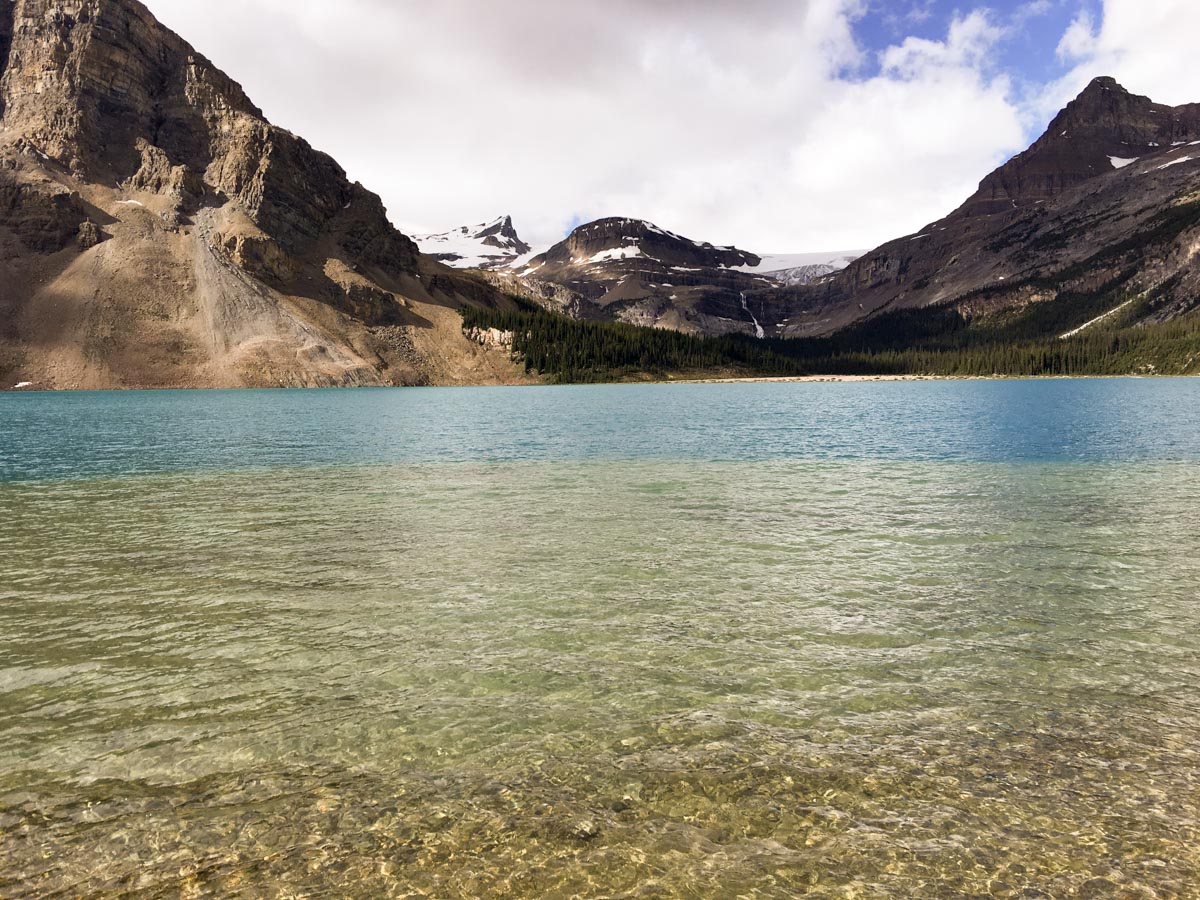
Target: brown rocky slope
<point>156,230</point>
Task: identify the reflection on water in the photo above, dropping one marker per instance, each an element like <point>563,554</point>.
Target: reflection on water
<point>656,678</point>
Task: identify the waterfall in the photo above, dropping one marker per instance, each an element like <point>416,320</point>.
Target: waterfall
<point>758,329</point>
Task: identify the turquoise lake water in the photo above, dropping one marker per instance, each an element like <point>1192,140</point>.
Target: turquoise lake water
<point>845,640</point>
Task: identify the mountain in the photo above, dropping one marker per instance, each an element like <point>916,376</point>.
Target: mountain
<point>633,271</point>
<point>1104,128</point>
<point>1100,214</point>
<point>156,230</point>
<point>492,245</point>
<point>1103,209</point>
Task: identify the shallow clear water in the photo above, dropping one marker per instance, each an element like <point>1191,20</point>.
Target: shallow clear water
<point>874,640</point>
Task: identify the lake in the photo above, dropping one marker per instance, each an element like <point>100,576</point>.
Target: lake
<point>851,639</point>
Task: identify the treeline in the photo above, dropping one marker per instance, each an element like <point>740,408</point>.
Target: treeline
<point>931,341</point>
<point>573,351</point>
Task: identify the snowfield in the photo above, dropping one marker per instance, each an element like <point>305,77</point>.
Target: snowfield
<point>782,262</point>
<point>465,247</point>
<point>632,252</point>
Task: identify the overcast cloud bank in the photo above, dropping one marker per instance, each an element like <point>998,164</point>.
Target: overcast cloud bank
<point>761,123</point>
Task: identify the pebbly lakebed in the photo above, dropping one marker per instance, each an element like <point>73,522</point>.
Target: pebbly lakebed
<point>868,639</point>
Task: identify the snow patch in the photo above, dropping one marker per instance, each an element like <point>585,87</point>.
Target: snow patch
<point>21,385</point>
<point>524,261</point>
<point>1086,325</point>
<point>1119,162</point>
<point>618,253</point>
<point>1176,162</point>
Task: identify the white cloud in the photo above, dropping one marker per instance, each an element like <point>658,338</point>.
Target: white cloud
<point>1079,41</point>
<point>729,120</point>
<point>906,147</point>
<point>966,47</point>
<point>1027,12</point>
<point>1150,47</point>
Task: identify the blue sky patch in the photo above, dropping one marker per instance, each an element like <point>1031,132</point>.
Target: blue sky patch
<point>1031,29</point>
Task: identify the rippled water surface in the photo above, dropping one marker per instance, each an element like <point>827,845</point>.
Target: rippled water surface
<point>853,640</point>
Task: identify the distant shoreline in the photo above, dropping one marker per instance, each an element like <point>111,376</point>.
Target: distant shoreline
<point>807,379</point>
<point>804,379</point>
<point>716,379</point>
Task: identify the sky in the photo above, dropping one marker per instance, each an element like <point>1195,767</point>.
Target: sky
<point>779,126</point>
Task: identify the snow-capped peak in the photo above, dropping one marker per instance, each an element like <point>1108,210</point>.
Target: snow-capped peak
<point>638,229</point>
<point>490,245</point>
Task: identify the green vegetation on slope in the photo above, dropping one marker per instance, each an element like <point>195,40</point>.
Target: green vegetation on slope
<point>930,341</point>
<point>573,351</point>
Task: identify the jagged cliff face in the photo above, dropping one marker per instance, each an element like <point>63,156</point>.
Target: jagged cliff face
<point>1108,198</point>
<point>99,87</point>
<point>146,202</point>
<point>6,31</point>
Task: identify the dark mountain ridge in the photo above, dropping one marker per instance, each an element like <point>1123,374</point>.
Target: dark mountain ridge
<point>1058,219</point>
<point>633,271</point>
<point>1062,224</point>
<point>1105,123</point>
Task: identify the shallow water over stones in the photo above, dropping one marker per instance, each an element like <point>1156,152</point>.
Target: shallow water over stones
<point>882,675</point>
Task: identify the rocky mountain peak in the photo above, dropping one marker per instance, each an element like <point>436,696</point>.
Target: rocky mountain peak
<point>101,89</point>
<point>502,234</point>
<point>490,245</point>
<point>1101,85</point>
<point>1105,110</point>
<point>1103,128</point>
<point>622,238</point>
